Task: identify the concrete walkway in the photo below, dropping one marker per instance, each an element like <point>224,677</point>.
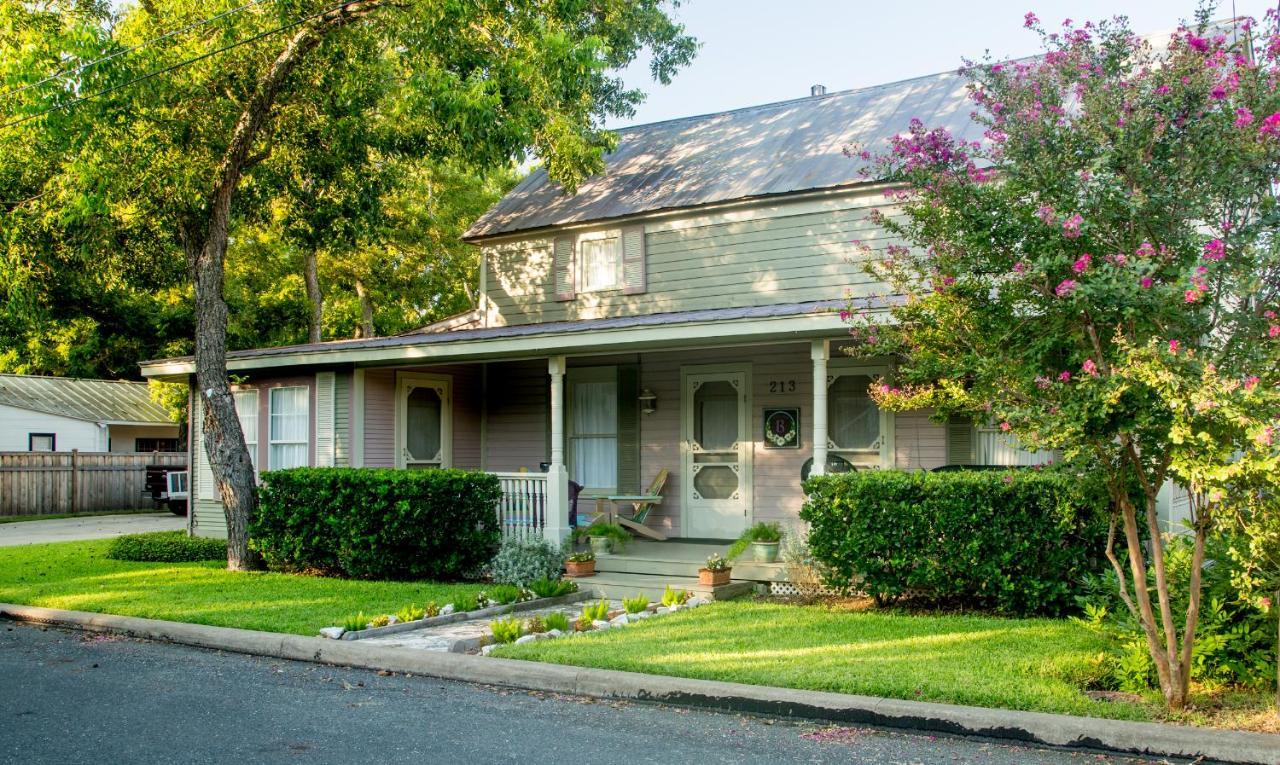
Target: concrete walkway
<point>91,527</point>
<point>441,638</point>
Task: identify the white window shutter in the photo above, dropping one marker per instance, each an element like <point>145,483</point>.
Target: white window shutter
<point>565,273</point>
<point>324,418</point>
<point>204,474</point>
<point>634,269</point>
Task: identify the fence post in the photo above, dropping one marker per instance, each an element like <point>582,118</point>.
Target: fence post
<point>75,480</point>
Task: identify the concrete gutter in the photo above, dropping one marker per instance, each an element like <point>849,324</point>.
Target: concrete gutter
<point>1137,738</point>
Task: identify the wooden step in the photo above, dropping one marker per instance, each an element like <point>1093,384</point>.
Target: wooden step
<point>617,585</point>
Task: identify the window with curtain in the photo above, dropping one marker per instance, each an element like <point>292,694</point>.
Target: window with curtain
<point>853,419</point>
<point>288,428</point>
<point>600,261</point>
<point>593,429</point>
<point>247,410</point>
<point>995,447</point>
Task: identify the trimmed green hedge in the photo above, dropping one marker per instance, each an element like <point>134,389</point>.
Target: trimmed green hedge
<point>1016,542</point>
<point>378,524</point>
<point>166,547</point>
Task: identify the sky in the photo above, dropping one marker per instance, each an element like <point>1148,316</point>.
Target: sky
<point>759,51</point>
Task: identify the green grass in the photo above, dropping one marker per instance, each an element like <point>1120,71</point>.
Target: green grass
<point>60,516</point>
<point>79,576</point>
<point>1030,664</point>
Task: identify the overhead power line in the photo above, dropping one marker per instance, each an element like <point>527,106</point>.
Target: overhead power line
<point>126,51</point>
<point>179,65</point>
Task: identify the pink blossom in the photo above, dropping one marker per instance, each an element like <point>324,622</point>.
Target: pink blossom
<point>844,315</point>
<point>1005,426</point>
<point>1019,267</point>
<point>1218,93</point>
<point>1191,296</point>
<point>1089,368</point>
<point>1198,43</point>
<point>1064,376</point>
<point>1082,263</point>
<point>1251,382</point>
<point>1214,249</point>
<point>1271,125</point>
<point>1274,331</point>
<point>1266,437</point>
<point>1030,20</point>
<point>1066,287</point>
<point>1146,282</point>
<point>1163,90</point>
<point>1173,346</point>
<point>1045,213</point>
<point>1269,314</point>
<point>1145,250</point>
<point>1244,117</point>
<point>1071,226</point>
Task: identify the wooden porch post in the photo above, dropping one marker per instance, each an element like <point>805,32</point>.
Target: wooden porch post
<point>557,527</point>
<point>820,351</point>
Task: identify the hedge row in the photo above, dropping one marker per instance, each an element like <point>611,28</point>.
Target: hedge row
<point>378,524</point>
<point>1016,541</point>
<point>166,547</point>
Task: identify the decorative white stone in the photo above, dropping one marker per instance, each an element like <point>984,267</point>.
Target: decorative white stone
<point>524,639</point>
<point>600,625</point>
<point>619,620</point>
<point>333,633</point>
<point>392,620</point>
<point>641,615</point>
<point>448,609</point>
<point>673,608</point>
<point>553,633</point>
<point>486,650</point>
<point>695,602</point>
<point>662,610</point>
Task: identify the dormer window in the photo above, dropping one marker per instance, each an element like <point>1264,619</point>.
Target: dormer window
<point>600,261</point>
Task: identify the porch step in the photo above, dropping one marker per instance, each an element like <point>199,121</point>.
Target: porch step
<point>682,559</point>
<point>616,586</point>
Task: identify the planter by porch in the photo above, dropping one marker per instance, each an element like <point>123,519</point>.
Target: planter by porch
<point>580,567</point>
<point>709,578</point>
<point>601,545</point>
<point>764,552</point>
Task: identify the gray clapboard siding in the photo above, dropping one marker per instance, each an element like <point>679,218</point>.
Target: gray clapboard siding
<point>380,410</point>
<point>517,427</point>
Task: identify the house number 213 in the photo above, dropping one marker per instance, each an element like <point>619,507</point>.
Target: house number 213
<point>782,386</point>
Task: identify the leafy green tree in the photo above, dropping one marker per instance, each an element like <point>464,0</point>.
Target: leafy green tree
<point>1100,275</point>
<point>175,157</point>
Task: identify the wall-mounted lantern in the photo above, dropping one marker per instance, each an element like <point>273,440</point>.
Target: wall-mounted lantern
<point>648,401</point>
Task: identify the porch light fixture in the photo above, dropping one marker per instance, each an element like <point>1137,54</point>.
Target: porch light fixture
<point>648,401</point>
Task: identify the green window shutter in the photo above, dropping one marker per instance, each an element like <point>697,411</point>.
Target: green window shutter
<point>628,429</point>
<point>564,276</point>
<point>634,269</point>
<point>960,441</point>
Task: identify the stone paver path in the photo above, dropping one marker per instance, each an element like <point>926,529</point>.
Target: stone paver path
<point>440,638</point>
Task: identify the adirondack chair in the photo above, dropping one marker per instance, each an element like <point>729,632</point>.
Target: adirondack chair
<point>641,504</point>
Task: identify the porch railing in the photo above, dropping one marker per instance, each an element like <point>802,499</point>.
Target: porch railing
<point>522,512</point>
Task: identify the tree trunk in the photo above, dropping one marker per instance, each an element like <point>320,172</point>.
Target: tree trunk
<point>311,275</point>
<point>206,248</point>
<point>365,327</point>
<point>1275,606</point>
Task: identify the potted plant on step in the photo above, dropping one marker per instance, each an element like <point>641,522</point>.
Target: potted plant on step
<point>580,563</point>
<point>763,538</point>
<point>716,572</point>
<point>605,538</point>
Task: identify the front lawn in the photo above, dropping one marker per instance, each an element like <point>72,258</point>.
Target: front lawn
<point>78,576</point>
<point>1032,664</point>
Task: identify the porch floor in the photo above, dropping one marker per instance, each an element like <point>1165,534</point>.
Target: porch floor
<point>648,567</point>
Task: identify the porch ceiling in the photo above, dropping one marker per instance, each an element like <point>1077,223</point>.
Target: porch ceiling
<point>733,326</point>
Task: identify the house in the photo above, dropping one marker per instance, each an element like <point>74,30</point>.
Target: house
<point>59,414</point>
<point>680,312</point>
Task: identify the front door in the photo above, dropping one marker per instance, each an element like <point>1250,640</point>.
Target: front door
<point>424,421</point>
<point>717,453</point>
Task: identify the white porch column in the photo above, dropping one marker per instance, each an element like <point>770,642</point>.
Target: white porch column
<point>557,475</point>
<point>820,351</point>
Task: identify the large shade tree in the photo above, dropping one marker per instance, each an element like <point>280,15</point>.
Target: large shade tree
<point>1100,275</point>
<point>161,143</point>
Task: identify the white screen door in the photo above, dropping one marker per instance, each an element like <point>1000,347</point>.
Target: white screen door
<point>424,421</point>
<point>717,454</point>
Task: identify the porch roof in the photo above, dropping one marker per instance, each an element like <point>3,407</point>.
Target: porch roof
<point>720,326</point>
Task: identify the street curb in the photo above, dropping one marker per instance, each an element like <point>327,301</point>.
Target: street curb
<point>1138,738</point>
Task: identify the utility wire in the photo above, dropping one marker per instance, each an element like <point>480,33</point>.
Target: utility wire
<point>179,65</point>
<point>126,51</point>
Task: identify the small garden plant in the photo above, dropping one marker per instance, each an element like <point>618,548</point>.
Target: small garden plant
<point>465,602</point>
<point>355,622</point>
<point>410,613</point>
<point>522,561</point>
<point>763,531</point>
<point>506,630</point>
<point>431,609</point>
<point>381,620</point>
<point>716,562</point>
<point>672,597</point>
<point>557,620</point>
<point>552,588</point>
<point>598,611</point>
<point>617,536</point>
<point>504,594</point>
<point>636,605</point>
<point>580,557</point>
<point>535,625</point>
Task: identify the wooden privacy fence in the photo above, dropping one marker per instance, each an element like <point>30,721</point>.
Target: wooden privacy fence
<point>45,483</point>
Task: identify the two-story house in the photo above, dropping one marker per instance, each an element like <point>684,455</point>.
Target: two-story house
<point>680,312</point>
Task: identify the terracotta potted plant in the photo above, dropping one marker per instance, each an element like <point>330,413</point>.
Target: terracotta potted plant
<point>716,572</point>
<point>580,564</point>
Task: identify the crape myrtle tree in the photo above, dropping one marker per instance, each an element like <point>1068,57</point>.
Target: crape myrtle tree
<point>1099,275</point>
<point>173,156</point>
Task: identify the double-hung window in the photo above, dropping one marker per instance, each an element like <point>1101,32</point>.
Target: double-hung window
<point>855,425</point>
<point>247,410</point>
<point>599,261</point>
<point>289,421</point>
<point>995,447</point>
<point>593,428</point>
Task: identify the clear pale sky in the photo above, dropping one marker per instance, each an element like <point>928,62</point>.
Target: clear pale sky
<point>758,51</point>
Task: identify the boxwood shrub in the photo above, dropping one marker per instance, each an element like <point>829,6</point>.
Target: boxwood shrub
<point>1015,542</point>
<point>377,524</point>
<point>166,547</point>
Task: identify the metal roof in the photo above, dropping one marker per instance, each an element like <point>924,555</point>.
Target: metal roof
<point>105,401</point>
<point>581,326</point>
<point>759,151</point>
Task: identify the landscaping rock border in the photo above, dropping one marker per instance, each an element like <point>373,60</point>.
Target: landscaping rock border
<point>461,616</point>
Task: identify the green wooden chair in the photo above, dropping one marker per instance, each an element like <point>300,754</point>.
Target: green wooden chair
<point>641,504</point>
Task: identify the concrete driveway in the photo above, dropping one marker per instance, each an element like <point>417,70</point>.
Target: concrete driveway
<point>92,527</point>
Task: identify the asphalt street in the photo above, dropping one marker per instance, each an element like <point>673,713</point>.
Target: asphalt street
<point>73,697</point>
